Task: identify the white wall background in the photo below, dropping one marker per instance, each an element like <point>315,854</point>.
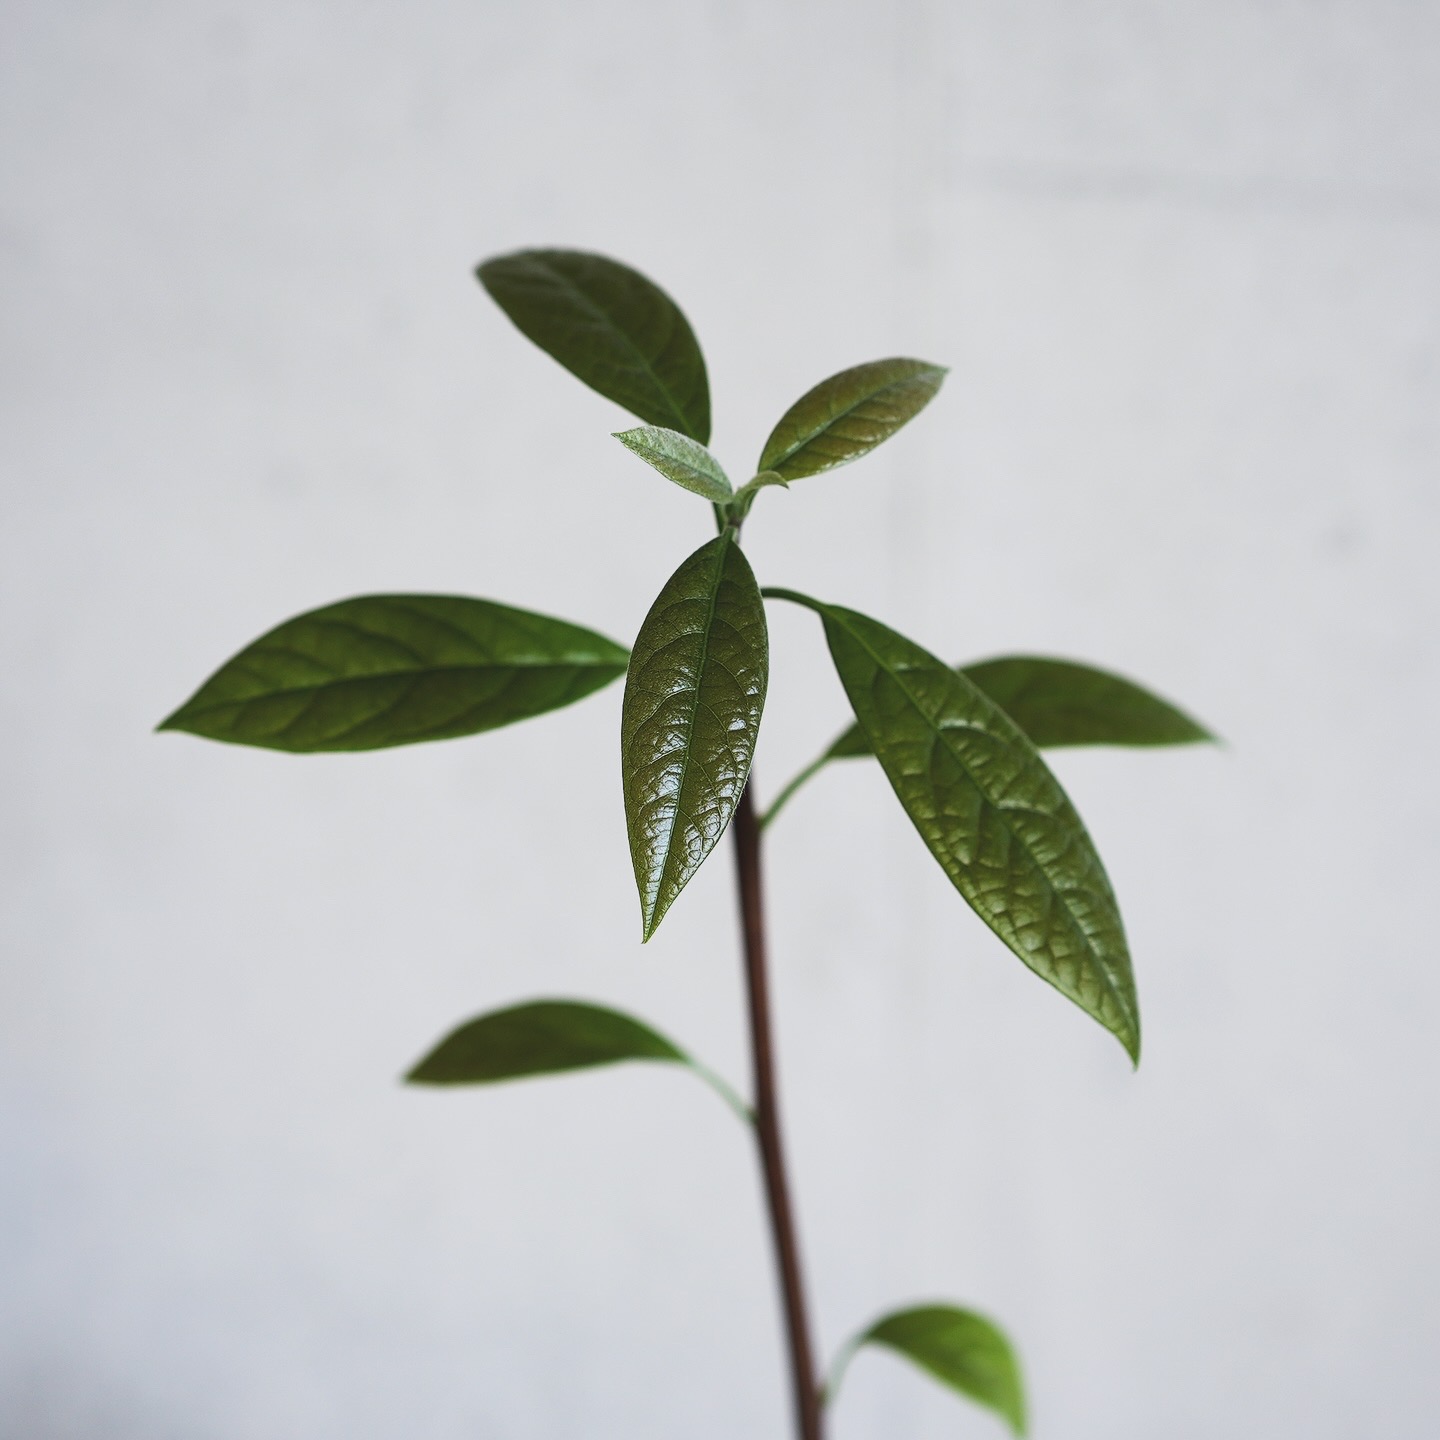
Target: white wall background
<point>1182,260</point>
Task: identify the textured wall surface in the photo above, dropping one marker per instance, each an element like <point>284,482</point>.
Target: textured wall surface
<point>1181,260</point>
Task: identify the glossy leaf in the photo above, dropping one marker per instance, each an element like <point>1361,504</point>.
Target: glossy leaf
<point>386,670</point>
<point>1059,703</point>
<point>991,814</point>
<point>679,458</point>
<point>542,1037</point>
<point>610,326</point>
<point>848,415</point>
<point>961,1349</point>
<point>693,698</point>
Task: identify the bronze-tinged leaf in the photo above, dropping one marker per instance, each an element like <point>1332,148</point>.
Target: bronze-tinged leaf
<point>848,415</point>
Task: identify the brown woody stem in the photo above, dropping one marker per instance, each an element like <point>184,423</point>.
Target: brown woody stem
<point>767,1122</point>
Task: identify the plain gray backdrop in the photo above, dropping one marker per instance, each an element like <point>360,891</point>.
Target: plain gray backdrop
<point>1181,260</point>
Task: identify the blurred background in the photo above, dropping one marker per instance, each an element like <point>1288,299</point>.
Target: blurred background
<point>1181,260</point>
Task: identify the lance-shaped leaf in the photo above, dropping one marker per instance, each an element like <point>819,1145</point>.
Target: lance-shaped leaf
<point>386,670</point>
<point>693,697</point>
<point>607,324</point>
<point>847,415</point>
<point>549,1037</point>
<point>1059,703</point>
<point>679,458</point>
<point>959,1348</point>
<point>542,1037</point>
<point>991,813</point>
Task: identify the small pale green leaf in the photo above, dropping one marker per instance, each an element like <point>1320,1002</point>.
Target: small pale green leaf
<point>961,1349</point>
<point>542,1037</point>
<point>848,415</point>
<point>607,324</point>
<point>386,670</point>
<point>1059,703</point>
<point>679,458</point>
<point>693,698</point>
<point>990,812</point>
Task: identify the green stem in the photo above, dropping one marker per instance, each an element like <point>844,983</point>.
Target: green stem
<point>779,801</point>
<point>723,1088</point>
<point>841,1363</point>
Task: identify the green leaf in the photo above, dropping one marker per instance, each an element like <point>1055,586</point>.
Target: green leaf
<point>991,813</point>
<point>679,458</point>
<point>693,698</point>
<point>849,414</point>
<point>386,670</point>
<point>959,1348</point>
<point>1059,702</point>
<point>542,1037</point>
<point>548,1037</point>
<point>607,324</point>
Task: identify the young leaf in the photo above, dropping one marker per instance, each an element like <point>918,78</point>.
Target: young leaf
<point>679,458</point>
<point>1059,702</point>
<point>693,698</point>
<point>847,415</point>
<point>607,324</point>
<point>959,1348</point>
<point>991,813</point>
<point>542,1037</point>
<point>386,670</point>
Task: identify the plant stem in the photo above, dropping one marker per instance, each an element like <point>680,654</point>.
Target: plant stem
<point>767,1122</point>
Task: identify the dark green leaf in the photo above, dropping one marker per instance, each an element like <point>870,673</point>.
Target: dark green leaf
<point>1059,702</point>
<point>606,323</point>
<point>693,699</point>
<point>542,1037</point>
<point>679,458</point>
<point>991,813</point>
<point>847,415</point>
<point>395,669</point>
<point>960,1349</point>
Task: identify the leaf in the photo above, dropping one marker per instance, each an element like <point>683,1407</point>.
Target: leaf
<point>1059,702</point>
<point>542,1037</point>
<point>693,698</point>
<point>386,670</point>
<point>849,414</point>
<point>607,324</point>
<point>990,812</point>
<point>679,458</point>
<point>961,1349</point>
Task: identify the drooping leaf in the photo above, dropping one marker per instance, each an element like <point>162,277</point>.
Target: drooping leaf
<point>386,670</point>
<point>961,1349</point>
<point>542,1037</point>
<point>1060,702</point>
<point>990,812</point>
<point>693,697</point>
<point>549,1037</point>
<point>607,324</point>
<point>847,415</point>
<point>679,458</point>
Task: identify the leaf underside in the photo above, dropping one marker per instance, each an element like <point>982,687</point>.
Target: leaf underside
<point>384,670</point>
<point>679,458</point>
<point>961,1349</point>
<point>542,1037</point>
<point>991,814</point>
<point>848,415</point>
<point>693,698</point>
<point>609,326</point>
<point>1060,703</point>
